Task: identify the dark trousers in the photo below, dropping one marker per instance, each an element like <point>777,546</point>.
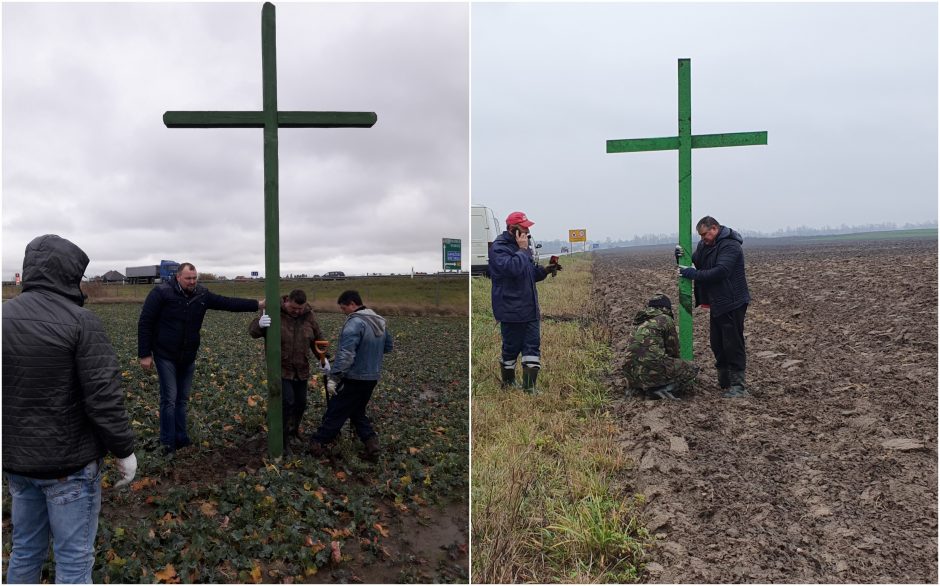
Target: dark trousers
<point>727,339</point>
<point>521,338</point>
<point>350,402</point>
<point>293,397</point>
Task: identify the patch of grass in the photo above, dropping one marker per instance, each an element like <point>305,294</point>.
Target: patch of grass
<point>546,507</point>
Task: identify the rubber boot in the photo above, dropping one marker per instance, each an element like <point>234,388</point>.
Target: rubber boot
<point>737,390</point>
<point>529,376</point>
<point>509,375</point>
<point>663,392</point>
<point>724,379</point>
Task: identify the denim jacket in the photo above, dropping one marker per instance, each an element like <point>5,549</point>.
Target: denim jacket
<point>363,342</point>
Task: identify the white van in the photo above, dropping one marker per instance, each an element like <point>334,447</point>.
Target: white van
<point>483,230</point>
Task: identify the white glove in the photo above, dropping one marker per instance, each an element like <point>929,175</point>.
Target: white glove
<point>265,320</point>
<point>325,367</point>
<point>128,469</point>
<point>331,386</point>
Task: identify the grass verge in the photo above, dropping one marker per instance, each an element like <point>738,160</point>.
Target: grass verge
<point>545,502</point>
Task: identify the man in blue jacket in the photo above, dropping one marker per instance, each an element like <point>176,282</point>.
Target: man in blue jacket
<point>363,342</point>
<point>168,337</point>
<point>514,273</point>
<point>720,285</point>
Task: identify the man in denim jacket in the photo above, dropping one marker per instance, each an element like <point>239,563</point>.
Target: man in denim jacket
<point>363,342</point>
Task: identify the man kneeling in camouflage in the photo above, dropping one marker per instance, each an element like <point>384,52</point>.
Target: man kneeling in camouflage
<point>653,366</point>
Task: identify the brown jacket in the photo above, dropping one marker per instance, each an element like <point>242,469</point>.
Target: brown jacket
<point>298,335</point>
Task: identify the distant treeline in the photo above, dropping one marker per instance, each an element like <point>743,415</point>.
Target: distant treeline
<point>554,246</point>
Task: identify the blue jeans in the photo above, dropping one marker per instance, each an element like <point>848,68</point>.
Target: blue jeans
<point>68,509</point>
<point>521,338</point>
<point>350,402</point>
<point>175,382</point>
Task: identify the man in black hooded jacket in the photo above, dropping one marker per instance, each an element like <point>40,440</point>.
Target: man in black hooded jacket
<point>720,285</point>
<point>63,410</point>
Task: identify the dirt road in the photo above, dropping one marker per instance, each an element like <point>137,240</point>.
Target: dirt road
<point>829,473</point>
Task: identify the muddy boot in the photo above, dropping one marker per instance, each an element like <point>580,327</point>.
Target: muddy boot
<point>372,449</point>
<point>664,392</point>
<point>509,376</point>
<point>724,379</point>
<point>737,390</point>
<point>529,376</point>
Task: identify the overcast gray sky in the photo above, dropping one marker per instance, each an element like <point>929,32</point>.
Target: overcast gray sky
<point>86,154</point>
<point>846,92</point>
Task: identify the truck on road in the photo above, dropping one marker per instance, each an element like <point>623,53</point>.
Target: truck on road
<point>483,231</point>
<point>160,273</point>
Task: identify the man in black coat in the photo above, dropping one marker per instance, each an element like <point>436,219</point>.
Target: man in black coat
<point>720,285</point>
<point>63,410</point>
<point>168,338</point>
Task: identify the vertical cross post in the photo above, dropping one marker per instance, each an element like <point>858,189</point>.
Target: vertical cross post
<point>684,143</point>
<point>270,119</point>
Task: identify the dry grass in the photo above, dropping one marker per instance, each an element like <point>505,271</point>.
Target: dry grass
<point>546,507</point>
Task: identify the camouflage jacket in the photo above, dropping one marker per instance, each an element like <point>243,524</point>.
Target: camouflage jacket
<point>655,337</point>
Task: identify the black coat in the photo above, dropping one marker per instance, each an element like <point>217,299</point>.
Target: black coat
<point>170,322</point>
<point>63,405</point>
<point>719,280</point>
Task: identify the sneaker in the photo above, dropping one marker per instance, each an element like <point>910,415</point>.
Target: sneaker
<point>662,393</point>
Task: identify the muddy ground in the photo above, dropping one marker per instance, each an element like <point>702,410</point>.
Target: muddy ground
<point>828,473</point>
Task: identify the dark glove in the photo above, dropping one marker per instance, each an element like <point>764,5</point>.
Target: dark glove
<point>553,269</point>
<point>687,272</point>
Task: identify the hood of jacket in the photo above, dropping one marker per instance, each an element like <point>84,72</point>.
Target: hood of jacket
<point>55,264</point>
<point>649,313</point>
<point>374,320</point>
<point>727,232</point>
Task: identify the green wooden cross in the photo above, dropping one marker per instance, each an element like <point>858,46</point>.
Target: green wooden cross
<point>270,119</point>
<point>685,142</point>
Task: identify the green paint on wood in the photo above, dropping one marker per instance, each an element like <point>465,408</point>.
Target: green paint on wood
<point>684,143</point>
<point>270,119</point>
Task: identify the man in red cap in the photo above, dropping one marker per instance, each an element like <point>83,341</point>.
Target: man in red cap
<point>515,300</point>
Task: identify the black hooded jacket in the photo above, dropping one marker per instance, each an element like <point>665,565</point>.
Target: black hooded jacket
<point>63,405</point>
<point>720,280</point>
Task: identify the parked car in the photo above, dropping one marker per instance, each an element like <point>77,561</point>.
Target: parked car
<point>334,276</point>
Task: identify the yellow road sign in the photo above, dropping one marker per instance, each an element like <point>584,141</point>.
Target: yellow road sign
<point>579,235</point>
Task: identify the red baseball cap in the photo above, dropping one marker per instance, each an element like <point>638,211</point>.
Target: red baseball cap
<point>518,218</point>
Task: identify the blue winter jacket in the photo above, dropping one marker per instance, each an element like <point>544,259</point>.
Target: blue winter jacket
<point>170,322</point>
<point>363,342</point>
<point>719,280</point>
<point>514,274</point>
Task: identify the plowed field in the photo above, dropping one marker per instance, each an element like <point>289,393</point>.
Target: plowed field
<point>829,472</point>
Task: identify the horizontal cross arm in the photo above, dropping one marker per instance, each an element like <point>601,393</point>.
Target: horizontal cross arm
<point>632,145</point>
<point>190,119</point>
<point>730,139</point>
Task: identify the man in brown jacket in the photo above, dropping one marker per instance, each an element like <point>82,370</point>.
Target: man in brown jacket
<point>299,334</point>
